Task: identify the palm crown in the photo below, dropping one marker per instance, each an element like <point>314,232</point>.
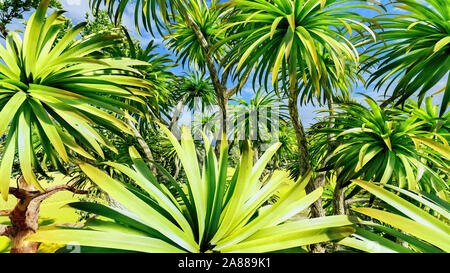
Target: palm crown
<point>384,146</point>
<point>50,93</point>
<point>287,35</point>
<point>212,212</point>
<point>414,51</point>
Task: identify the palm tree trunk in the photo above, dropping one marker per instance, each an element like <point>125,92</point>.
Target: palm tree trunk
<point>321,176</point>
<point>221,91</point>
<point>223,105</point>
<point>339,206</point>
<point>339,199</point>
<point>303,158</point>
<point>144,146</point>
<point>256,149</point>
<point>222,133</point>
<point>303,153</point>
<point>24,219</point>
<point>302,144</point>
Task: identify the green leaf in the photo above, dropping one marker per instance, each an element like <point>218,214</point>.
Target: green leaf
<point>138,207</point>
<point>438,147</point>
<point>9,151</point>
<point>443,42</point>
<point>10,110</point>
<point>104,239</point>
<point>406,208</point>
<point>417,229</point>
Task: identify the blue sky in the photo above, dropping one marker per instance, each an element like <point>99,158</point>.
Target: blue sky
<point>76,10</point>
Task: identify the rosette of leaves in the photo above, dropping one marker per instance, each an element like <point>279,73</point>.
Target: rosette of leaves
<point>209,213</point>
<point>54,96</point>
<point>377,145</point>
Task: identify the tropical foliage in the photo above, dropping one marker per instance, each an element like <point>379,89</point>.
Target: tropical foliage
<point>209,213</point>
<point>424,225</point>
<point>315,125</point>
<point>416,56</point>
<point>255,119</point>
<point>42,87</point>
<point>375,145</point>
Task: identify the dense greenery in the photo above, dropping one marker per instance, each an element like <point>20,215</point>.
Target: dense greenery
<point>91,103</point>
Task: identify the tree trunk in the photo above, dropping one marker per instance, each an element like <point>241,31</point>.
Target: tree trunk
<point>223,105</point>
<point>146,149</point>
<point>25,215</point>
<point>220,86</point>
<point>255,154</point>
<point>320,179</point>
<point>303,153</point>
<point>24,223</point>
<point>24,220</point>
<point>222,133</point>
<point>339,199</point>
<point>303,159</point>
<point>220,90</point>
<point>144,146</point>
<point>339,206</point>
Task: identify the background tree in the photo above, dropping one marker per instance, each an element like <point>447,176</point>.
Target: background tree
<point>189,87</point>
<point>376,145</point>
<point>194,27</point>
<point>290,37</point>
<point>159,79</point>
<point>256,120</point>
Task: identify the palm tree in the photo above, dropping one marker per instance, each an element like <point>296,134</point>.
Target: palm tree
<point>414,52</point>
<point>377,145</point>
<point>290,37</point>
<point>55,95</point>
<point>330,85</point>
<point>156,75</point>
<point>189,88</point>
<point>182,40</point>
<point>196,32</point>
<point>255,119</point>
<point>195,36</point>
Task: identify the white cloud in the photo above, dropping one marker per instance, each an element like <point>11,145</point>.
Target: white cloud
<point>76,9</point>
